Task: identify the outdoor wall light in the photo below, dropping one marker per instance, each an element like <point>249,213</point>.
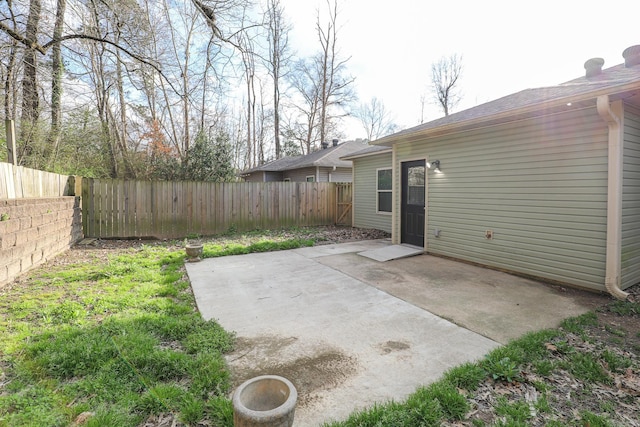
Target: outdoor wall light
<point>435,165</point>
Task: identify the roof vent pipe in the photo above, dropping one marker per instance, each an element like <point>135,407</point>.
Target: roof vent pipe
<point>335,142</point>
<point>631,56</point>
<point>325,145</point>
<point>593,66</point>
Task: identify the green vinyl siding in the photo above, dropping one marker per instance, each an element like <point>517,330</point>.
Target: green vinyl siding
<point>631,199</point>
<point>540,185</point>
<point>365,192</point>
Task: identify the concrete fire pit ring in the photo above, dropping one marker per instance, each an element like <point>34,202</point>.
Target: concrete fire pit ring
<point>267,400</point>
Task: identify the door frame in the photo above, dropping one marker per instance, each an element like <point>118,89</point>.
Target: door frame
<point>400,188</point>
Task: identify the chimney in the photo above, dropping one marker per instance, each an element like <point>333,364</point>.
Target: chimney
<point>335,142</point>
<point>325,145</point>
<point>631,56</point>
<point>593,67</point>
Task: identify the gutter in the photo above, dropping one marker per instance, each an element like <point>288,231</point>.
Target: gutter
<point>612,114</point>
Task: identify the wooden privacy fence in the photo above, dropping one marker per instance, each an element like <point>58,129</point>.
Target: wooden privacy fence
<point>163,209</point>
<point>17,182</point>
<point>343,203</point>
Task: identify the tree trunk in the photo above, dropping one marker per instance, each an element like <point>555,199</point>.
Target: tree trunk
<point>9,84</point>
<point>30,100</point>
<point>57,69</point>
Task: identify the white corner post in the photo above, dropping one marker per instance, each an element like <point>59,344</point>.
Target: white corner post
<point>612,113</point>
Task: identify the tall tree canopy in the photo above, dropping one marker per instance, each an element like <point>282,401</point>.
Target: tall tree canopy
<point>146,88</point>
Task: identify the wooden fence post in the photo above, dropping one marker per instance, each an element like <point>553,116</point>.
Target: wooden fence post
<point>11,142</point>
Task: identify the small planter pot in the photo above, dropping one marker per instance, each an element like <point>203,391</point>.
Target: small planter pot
<point>194,251</point>
<point>267,400</point>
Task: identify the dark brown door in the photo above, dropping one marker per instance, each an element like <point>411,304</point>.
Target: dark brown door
<point>413,206</point>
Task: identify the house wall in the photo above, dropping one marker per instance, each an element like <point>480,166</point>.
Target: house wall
<point>300,175</point>
<point>631,198</point>
<point>339,175</point>
<point>539,184</point>
<point>33,230</point>
<point>254,177</point>
<point>263,176</point>
<point>365,193</point>
<point>273,176</point>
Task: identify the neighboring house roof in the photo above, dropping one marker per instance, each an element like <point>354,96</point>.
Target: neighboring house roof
<point>618,81</point>
<point>369,151</point>
<point>327,157</point>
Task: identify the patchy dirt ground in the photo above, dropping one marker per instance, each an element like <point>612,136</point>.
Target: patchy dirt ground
<point>323,369</point>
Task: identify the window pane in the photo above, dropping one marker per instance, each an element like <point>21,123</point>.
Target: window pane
<point>416,186</point>
<point>384,179</point>
<point>311,179</point>
<point>384,201</point>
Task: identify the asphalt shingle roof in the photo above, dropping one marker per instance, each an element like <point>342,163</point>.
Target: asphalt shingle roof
<point>327,157</point>
<point>610,78</point>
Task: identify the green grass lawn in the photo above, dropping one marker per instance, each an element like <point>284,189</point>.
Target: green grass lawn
<point>116,341</point>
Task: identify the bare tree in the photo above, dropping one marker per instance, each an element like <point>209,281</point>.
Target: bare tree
<point>375,119</point>
<point>30,98</point>
<point>249,64</point>
<point>279,58</point>
<point>302,125</point>
<point>445,75</point>
<point>11,68</point>
<point>335,88</point>
<point>57,69</point>
<point>323,90</point>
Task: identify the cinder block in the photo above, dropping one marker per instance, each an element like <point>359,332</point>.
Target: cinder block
<point>37,220</point>
<point>9,226</point>
<point>6,256</point>
<point>8,240</point>
<point>26,262</point>
<point>44,242</point>
<point>20,211</point>
<point>37,256</point>
<point>22,236</point>
<point>25,223</point>
<point>50,217</point>
<point>46,229</point>
<point>4,275</point>
<point>13,269</point>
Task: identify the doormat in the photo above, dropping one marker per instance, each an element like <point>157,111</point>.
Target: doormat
<point>389,253</point>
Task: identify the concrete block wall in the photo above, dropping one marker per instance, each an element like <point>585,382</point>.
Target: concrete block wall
<point>34,230</point>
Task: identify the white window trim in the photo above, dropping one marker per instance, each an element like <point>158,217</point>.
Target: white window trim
<point>378,211</point>
<point>287,180</point>
<point>313,178</point>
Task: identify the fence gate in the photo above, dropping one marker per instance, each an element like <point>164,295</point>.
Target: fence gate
<point>343,203</point>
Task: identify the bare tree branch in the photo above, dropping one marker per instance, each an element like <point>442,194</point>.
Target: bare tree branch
<point>445,75</point>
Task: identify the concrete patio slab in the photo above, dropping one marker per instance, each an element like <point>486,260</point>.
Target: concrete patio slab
<point>349,331</point>
<point>492,303</point>
<point>344,344</point>
<point>391,252</point>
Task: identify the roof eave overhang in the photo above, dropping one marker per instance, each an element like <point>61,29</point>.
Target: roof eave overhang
<point>372,153</point>
<point>573,101</point>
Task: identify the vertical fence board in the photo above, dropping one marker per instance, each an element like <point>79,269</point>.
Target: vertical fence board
<point>161,209</point>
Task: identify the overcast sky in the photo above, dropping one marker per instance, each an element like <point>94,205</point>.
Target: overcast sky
<point>506,46</point>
